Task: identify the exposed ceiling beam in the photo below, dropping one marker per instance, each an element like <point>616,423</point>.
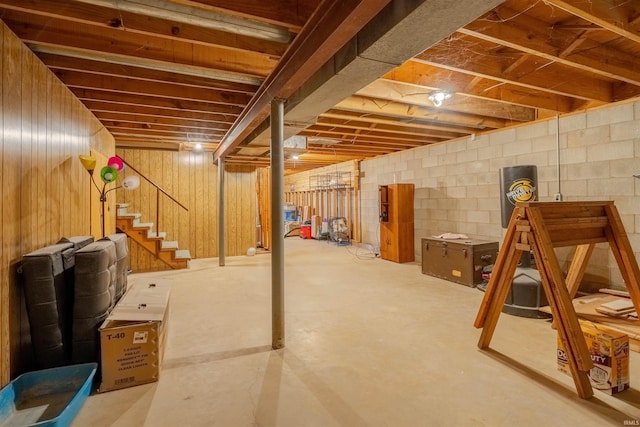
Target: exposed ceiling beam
<point>151,64</point>
<point>333,24</point>
<point>119,116</point>
<point>291,14</point>
<point>360,144</point>
<point>182,134</point>
<point>106,107</point>
<point>414,94</point>
<point>452,121</point>
<point>112,120</point>
<point>350,133</point>
<point>527,71</point>
<point>377,125</point>
<point>358,152</point>
<point>53,32</point>
<point>56,62</point>
<point>392,37</point>
<point>426,126</point>
<point>111,19</point>
<point>74,79</point>
<point>527,34</point>
<point>146,101</point>
<point>149,145</point>
<point>613,17</point>
<point>165,9</point>
<point>431,75</point>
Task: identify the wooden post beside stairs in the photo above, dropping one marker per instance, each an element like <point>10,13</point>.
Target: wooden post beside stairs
<point>540,227</point>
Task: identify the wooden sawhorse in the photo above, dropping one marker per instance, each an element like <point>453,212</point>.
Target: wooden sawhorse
<point>540,227</point>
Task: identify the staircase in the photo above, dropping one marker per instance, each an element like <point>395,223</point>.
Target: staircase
<point>154,242</point>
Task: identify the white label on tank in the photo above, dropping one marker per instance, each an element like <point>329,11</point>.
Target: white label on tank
<point>140,337</point>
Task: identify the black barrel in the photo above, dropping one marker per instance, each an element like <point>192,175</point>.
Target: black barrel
<point>517,184</point>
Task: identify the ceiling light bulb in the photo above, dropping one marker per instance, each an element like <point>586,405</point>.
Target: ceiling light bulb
<point>438,96</point>
<point>198,146</point>
<point>295,157</point>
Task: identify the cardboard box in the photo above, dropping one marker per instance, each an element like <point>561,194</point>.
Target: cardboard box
<point>132,337</point>
<point>609,351</point>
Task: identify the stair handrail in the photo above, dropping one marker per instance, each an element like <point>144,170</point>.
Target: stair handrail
<point>158,191</point>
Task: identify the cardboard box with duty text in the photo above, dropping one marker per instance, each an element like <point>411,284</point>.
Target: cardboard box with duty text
<point>132,337</point>
<point>609,352</point>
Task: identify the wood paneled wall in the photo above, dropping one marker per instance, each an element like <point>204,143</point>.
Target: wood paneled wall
<point>192,179</point>
<point>45,191</point>
<point>240,211</point>
<point>263,188</point>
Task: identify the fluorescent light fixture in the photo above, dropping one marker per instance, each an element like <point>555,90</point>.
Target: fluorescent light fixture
<point>438,96</point>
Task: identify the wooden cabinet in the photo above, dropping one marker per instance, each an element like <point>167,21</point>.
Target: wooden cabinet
<point>396,222</point>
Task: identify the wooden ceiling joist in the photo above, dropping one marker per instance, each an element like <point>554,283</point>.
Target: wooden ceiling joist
<point>449,121</point>
<point>355,149</point>
<point>54,32</point>
<point>168,73</point>
<point>333,24</point>
<point>397,129</point>
<point>291,14</point>
<point>363,143</point>
<point>409,93</point>
<point>149,144</point>
<point>347,133</point>
<point>532,72</point>
<point>185,136</point>
<point>67,63</point>
<point>162,121</point>
<point>74,79</point>
<point>615,18</point>
<point>248,83</point>
<point>416,72</point>
<point>529,35</point>
<point>171,26</point>
<point>183,13</point>
<point>114,111</point>
<point>427,125</point>
<point>157,102</point>
<point>148,128</point>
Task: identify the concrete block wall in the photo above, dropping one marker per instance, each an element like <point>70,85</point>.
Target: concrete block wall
<point>457,185</point>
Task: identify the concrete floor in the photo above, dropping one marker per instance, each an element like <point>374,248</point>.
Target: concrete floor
<point>368,343</point>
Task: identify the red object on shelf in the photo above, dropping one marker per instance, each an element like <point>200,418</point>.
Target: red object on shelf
<point>305,231</point>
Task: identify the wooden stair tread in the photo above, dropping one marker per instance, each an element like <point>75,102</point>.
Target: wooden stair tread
<point>172,244</point>
<point>154,235</point>
<point>128,215</point>
<point>183,254</point>
<point>154,242</point>
<point>148,225</point>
